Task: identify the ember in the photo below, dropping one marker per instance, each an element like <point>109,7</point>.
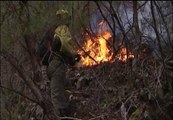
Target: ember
<point>122,55</point>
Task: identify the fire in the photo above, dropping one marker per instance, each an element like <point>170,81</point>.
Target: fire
<point>98,51</point>
<point>122,55</point>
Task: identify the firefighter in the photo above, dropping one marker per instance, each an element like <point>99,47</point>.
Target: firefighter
<point>62,55</point>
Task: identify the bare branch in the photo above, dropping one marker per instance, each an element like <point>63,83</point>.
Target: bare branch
<point>113,29</point>
<point>69,118</point>
<point>135,23</point>
<point>156,31</point>
<point>97,117</point>
<point>164,22</point>
<point>142,5</point>
<point>98,6</point>
<point>125,38</point>
<point>13,61</point>
<point>19,93</point>
<point>128,22</point>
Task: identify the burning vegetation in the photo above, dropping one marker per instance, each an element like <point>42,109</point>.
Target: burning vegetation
<point>122,55</point>
<point>97,50</point>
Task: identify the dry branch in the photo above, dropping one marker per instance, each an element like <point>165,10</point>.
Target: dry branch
<point>156,31</point>
<point>164,22</point>
<point>19,93</point>
<point>22,74</point>
<point>43,102</point>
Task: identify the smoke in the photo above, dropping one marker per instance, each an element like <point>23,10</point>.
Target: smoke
<point>125,14</point>
<point>95,21</point>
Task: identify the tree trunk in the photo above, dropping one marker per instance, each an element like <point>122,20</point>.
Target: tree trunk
<point>136,33</point>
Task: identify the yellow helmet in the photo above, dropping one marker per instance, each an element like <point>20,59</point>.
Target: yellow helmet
<point>62,12</point>
<point>63,16</point>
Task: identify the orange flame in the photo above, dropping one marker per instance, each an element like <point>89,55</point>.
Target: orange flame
<point>98,49</point>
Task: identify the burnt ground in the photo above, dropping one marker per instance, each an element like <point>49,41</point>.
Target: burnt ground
<point>115,91</point>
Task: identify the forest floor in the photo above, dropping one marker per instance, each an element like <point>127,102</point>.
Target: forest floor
<point>113,91</point>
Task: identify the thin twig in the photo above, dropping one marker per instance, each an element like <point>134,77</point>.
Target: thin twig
<point>114,26</point>
<point>70,118</point>
<point>122,29</point>
<point>21,94</point>
<point>100,116</point>
<point>156,31</point>
<point>98,6</point>
<point>164,22</point>
<point>142,5</point>
<point>13,61</point>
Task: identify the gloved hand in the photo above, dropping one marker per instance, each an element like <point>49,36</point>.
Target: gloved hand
<point>77,58</point>
<point>75,61</point>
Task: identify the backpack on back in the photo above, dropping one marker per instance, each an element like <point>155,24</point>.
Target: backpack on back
<point>44,47</point>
